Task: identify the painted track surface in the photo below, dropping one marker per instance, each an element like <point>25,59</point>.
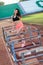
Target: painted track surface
<point>4,58</point>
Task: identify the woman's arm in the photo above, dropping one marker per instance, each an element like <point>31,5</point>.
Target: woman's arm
<point>20,17</point>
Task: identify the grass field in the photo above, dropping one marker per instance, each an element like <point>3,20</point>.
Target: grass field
<point>34,19</point>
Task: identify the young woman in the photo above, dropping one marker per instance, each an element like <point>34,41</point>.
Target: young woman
<point>17,15</point>
<point>18,22</point>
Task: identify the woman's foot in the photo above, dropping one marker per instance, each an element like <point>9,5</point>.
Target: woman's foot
<point>23,43</point>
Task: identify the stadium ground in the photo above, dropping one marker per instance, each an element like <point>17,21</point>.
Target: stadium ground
<point>34,19</point>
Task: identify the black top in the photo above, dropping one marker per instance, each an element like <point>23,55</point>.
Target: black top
<point>16,18</point>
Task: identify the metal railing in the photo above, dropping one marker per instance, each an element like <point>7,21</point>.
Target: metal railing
<point>12,43</point>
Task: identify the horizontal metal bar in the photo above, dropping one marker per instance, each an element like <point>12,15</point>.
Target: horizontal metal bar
<point>33,62</point>
<point>25,48</point>
<point>39,49</point>
<point>19,40</point>
<point>17,34</point>
<point>26,32</point>
<point>22,33</point>
<point>31,57</point>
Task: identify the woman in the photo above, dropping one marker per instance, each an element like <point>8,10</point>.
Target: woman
<point>17,15</point>
<point>18,23</point>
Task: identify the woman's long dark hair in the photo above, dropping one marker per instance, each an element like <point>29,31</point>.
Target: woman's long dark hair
<point>18,14</point>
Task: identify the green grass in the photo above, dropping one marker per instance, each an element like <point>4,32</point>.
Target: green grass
<point>34,18</point>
